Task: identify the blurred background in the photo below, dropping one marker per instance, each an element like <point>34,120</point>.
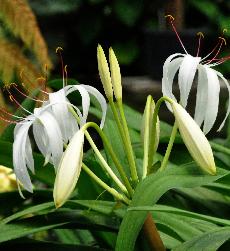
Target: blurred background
<point>30,32</point>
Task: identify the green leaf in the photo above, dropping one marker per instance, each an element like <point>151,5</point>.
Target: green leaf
<point>62,218</point>
<point>209,241</point>
<point>35,245</point>
<point>177,211</point>
<point>30,210</point>
<point>150,190</point>
<point>29,105</point>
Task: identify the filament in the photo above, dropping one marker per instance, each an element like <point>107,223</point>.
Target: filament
<point>171,19</point>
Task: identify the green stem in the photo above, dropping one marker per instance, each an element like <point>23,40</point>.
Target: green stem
<point>220,148</point>
<point>104,163</point>
<point>127,144</point>
<point>100,157</point>
<point>111,190</point>
<point>169,147</point>
<point>114,157</point>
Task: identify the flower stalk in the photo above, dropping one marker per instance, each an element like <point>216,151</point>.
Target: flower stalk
<point>111,190</point>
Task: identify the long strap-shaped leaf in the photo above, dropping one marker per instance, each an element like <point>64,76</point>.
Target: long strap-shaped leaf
<point>150,190</point>
<point>208,241</point>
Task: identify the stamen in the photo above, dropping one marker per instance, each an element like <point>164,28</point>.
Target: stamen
<point>10,114</point>
<point>58,51</point>
<point>201,35</point>
<point>10,121</point>
<point>209,54</point>
<point>11,97</point>
<point>66,75</point>
<point>223,40</point>
<point>171,19</point>
<point>23,94</point>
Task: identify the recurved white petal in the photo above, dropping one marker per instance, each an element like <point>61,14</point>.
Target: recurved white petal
<point>100,98</point>
<point>60,111</point>
<point>201,96</point>
<point>228,110</point>
<point>195,140</point>
<point>29,155</point>
<point>69,169</point>
<point>19,156</point>
<point>186,76</point>
<point>213,92</point>
<point>85,100</point>
<point>170,68</point>
<point>54,136</point>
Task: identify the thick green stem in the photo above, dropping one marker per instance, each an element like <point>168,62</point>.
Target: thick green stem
<point>169,147</point>
<point>111,190</point>
<point>127,144</point>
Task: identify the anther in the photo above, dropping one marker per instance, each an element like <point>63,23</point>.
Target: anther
<point>59,49</point>
<point>171,18</point>
<point>223,40</point>
<point>200,34</point>
<point>224,31</point>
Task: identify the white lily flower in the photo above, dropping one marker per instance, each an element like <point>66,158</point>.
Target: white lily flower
<point>194,139</point>
<point>208,87</point>
<point>60,108</point>
<point>48,138</point>
<point>69,169</point>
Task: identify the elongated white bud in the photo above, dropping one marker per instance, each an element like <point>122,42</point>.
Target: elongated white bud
<point>115,74</point>
<point>195,140</point>
<point>69,169</point>
<point>104,72</point>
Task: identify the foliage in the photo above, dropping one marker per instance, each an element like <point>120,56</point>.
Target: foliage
<point>92,220</point>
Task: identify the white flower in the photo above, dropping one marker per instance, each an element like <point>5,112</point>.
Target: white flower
<point>53,124</point>
<point>60,108</point>
<point>208,86</point>
<point>69,169</point>
<point>48,138</point>
<point>195,140</point>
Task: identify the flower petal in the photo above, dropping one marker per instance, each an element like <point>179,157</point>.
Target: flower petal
<point>69,169</point>
<point>186,76</point>
<point>54,136</point>
<point>213,92</point>
<point>201,96</point>
<point>19,155</point>
<point>228,110</point>
<point>85,100</point>
<point>170,68</point>
<point>60,111</point>
<point>100,98</point>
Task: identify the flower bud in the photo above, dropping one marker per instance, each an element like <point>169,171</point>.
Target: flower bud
<point>115,74</point>
<point>69,169</point>
<point>195,140</point>
<point>104,73</point>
